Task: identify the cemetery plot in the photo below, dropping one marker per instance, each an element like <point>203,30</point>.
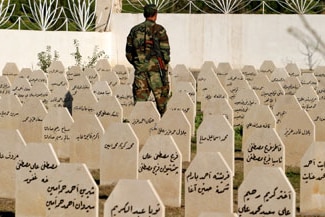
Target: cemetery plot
<point>11,144</point>
<point>71,191</point>
<point>11,71</point>
<point>160,161</point>
<point>119,153</point>
<point>143,118</point>
<point>86,133</point>
<point>33,169</point>
<point>133,198</point>
<point>208,185</point>
<point>312,180</point>
<point>109,111</point>
<point>4,86</point>
<point>297,132</point>
<point>266,191</point>
<point>264,148</point>
<point>10,109</point>
<point>215,134</point>
<point>181,132</point>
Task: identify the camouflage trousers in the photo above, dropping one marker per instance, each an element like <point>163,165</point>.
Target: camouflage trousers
<point>145,82</point>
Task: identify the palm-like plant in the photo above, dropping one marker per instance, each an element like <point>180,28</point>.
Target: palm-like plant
<point>82,14</point>
<point>226,6</point>
<point>6,11</point>
<point>44,14</point>
<point>300,6</point>
<point>162,5</point>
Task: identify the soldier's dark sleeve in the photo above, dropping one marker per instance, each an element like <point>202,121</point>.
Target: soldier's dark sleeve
<point>129,49</point>
<point>164,45</point>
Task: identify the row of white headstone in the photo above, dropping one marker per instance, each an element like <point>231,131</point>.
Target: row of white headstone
<point>103,129</point>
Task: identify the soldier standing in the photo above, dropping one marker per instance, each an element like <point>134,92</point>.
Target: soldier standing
<point>147,49</point>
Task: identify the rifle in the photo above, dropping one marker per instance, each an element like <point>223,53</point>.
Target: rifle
<point>161,65</point>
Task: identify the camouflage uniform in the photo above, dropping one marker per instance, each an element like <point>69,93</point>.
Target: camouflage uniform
<point>139,52</point>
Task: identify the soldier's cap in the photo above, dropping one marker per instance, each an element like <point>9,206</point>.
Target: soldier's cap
<point>149,10</point>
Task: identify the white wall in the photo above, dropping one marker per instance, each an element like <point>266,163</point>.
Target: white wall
<point>238,39</point>
<point>22,47</point>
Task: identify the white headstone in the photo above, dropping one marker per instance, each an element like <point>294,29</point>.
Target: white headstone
<point>283,105</point>
<point>220,107</point>
<point>291,85</point>
<point>182,102</point>
<point>35,164</point>
<point>307,97</point>
<point>124,95</point>
<point>10,109</point>
<point>25,73</point>
<point>122,72</point>
<point>21,87</point>
<point>84,103</point>
<point>31,118</point>
<point>182,73</point>
<point>220,137</point>
<point>267,67</point>
<point>74,72</point>
<point>109,111</point>
<point>244,100</point>
<point>209,87</point>
<point>319,72</point>
<point>79,84</point>
<point>270,93</point>
<point>119,152</point>
<point>72,191</point>
<point>103,67</point>
<point>111,78</point>
<point>312,194</point>
<point>208,185</point>
<point>297,132</point>
<point>11,144</point>
<point>143,118</point>
<point>308,79</point>
<point>40,91</point>
<point>38,76</point>
<point>175,123</point>
<point>257,117</point>
<point>318,116</point>
<point>259,82</point>
<point>249,72</point>
<point>186,87</point>
<point>266,191</point>
<point>86,133</point>
<point>160,161</point>
<point>56,67</point>
<point>131,198</point>
<point>57,80</point>
<point>60,97</point>
<point>11,71</point>
<point>293,70</point>
<point>101,88</point>
<point>235,87</point>
<point>5,86</point>
<point>234,80</point>
<point>279,75</point>
<point>320,90</point>
<point>222,71</point>
<point>91,74</point>
<point>264,148</point>
<point>57,131</point>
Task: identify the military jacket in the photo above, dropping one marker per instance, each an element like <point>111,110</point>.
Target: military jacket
<point>139,47</point>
